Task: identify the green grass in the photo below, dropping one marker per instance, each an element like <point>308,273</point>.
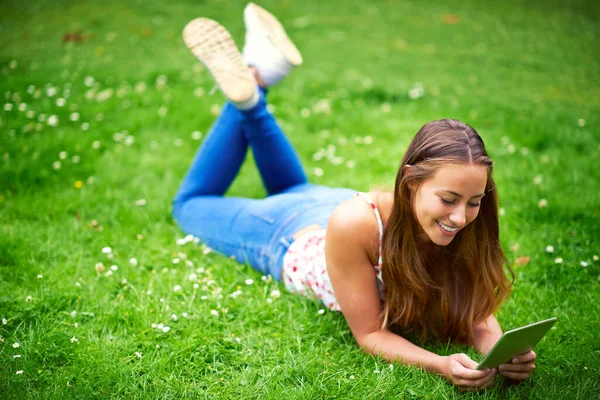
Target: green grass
<point>524,74</point>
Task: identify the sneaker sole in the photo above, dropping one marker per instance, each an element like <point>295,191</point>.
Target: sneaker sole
<point>277,35</point>
<point>212,44</point>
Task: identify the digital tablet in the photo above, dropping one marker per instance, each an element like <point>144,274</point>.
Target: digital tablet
<point>515,342</point>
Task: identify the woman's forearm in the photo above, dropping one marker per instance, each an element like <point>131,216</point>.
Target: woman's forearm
<point>393,348</point>
<point>486,334</point>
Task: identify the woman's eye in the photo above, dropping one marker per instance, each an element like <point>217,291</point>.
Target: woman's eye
<point>475,204</point>
<point>447,201</point>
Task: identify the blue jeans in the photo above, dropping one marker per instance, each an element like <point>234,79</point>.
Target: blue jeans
<point>253,231</point>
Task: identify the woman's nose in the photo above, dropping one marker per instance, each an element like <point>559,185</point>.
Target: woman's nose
<point>458,217</point>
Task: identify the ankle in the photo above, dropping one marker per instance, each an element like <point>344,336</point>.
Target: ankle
<point>257,77</point>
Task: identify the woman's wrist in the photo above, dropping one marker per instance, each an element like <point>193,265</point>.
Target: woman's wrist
<point>437,365</point>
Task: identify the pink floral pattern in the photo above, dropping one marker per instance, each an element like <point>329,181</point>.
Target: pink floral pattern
<point>305,270</point>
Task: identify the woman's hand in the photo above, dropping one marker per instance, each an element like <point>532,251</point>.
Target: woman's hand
<point>520,368</point>
<point>460,370</point>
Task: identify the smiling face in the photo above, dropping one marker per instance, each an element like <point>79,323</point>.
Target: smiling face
<point>448,201</point>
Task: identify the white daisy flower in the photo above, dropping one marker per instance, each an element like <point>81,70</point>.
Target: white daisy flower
<point>196,135</point>
<point>52,120</point>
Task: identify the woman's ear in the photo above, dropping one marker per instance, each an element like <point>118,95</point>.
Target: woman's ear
<point>406,171</point>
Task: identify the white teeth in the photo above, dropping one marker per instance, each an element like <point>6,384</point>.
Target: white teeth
<point>446,227</point>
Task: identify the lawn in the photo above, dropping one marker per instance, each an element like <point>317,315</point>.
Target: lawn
<point>103,108</point>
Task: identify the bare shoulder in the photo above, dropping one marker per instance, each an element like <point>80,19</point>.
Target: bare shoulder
<point>353,226</point>
<point>357,215</point>
<point>353,219</point>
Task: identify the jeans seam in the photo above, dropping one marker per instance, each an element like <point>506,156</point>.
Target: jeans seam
<point>266,219</point>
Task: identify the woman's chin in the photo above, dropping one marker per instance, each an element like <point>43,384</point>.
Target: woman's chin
<point>441,240</point>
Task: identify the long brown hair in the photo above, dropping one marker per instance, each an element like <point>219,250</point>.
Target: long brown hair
<point>443,297</point>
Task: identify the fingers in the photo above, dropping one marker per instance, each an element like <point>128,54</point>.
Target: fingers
<point>485,381</point>
<point>466,361</point>
<point>480,382</point>
<point>470,374</point>
<point>519,376</point>
<point>477,384</point>
<point>466,377</point>
<point>520,371</point>
<point>466,368</point>
<point>524,358</point>
<point>517,367</point>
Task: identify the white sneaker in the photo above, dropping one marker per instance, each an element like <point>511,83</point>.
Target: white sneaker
<point>214,47</point>
<point>268,48</point>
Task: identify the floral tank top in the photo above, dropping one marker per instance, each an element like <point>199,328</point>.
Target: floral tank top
<point>305,271</point>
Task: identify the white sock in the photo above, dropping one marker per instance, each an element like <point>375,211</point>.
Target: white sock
<point>248,104</point>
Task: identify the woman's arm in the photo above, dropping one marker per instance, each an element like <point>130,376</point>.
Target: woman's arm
<point>486,334</point>
<point>351,232</point>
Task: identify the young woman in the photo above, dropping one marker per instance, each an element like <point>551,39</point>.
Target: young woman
<point>424,259</point>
